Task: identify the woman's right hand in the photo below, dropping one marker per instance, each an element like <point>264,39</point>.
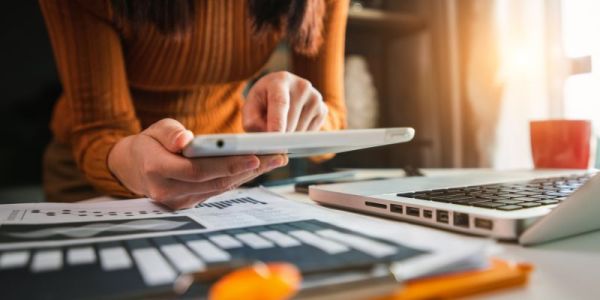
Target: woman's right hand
<point>149,164</point>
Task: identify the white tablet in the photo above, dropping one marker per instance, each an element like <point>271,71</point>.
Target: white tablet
<point>295,144</point>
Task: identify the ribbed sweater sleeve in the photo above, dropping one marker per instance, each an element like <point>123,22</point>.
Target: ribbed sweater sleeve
<point>89,59</point>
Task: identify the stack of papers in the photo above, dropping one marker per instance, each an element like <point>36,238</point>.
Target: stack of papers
<point>40,239</point>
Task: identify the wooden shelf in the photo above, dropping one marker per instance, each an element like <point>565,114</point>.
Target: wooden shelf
<point>380,21</point>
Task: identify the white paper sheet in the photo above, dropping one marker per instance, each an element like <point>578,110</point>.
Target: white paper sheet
<point>58,224</point>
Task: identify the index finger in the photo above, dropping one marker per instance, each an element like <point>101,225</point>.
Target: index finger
<point>278,105</point>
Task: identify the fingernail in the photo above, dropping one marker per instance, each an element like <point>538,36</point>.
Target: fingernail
<point>252,164</point>
<point>185,137</point>
<point>275,162</point>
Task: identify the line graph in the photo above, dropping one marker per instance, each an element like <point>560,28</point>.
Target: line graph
<point>78,230</point>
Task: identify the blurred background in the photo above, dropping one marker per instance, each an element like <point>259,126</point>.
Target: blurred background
<point>468,75</point>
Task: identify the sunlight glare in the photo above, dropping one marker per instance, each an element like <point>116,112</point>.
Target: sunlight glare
<point>581,24</point>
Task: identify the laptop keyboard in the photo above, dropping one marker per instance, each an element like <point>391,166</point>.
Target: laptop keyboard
<point>507,196</point>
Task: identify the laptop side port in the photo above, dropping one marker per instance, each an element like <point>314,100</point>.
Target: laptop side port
<point>442,216</point>
<point>484,223</point>
<point>375,204</point>
<point>427,213</point>
<point>413,211</point>
<point>461,219</point>
<point>395,208</point>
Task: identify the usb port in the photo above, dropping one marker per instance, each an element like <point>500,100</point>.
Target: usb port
<point>395,208</point>
<point>427,213</point>
<point>484,223</point>
<point>441,216</point>
<point>375,204</point>
<point>413,211</point>
<point>461,219</point>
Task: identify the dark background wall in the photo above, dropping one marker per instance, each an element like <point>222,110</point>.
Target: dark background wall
<point>29,87</point>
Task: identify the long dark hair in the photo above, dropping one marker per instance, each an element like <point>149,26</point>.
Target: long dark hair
<point>300,20</point>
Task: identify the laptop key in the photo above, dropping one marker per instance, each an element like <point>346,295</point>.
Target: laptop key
<point>526,193</point>
<point>478,194</point>
<point>529,204</point>
<point>494,198</point>
<point>472,189</point>
<point>436,199</point>
<point>450,199</point>
<point>456,195</point>
<point>436,193</point>
<point>513,195</point>
<point>488,195</point>
<point>510,207</point>
<point>548,202</point>
<point>526,199</point>
<point>467,203</point>
<point>558,194</point>
<point>549,188</point>
<point>509,202</point>
<point>488,204</point>
<point>470,201</point>
<point>543,197</point>
<point>520,187</point>
<point>460,198</point>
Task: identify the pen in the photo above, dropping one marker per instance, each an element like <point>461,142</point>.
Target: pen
<point>183,283</point>
<point>315,177</point>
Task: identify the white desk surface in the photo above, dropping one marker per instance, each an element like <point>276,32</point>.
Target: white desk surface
<point>565,269</point>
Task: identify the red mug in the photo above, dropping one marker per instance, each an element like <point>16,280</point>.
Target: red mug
<point>561,144</point>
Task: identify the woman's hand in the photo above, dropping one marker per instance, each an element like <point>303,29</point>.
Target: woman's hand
<point>149,164</point>
<point>282,101</point>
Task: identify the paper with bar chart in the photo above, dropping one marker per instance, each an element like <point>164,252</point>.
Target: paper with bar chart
<point>58,225</point>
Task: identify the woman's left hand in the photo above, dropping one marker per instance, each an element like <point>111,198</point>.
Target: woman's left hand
<point>283,102</point>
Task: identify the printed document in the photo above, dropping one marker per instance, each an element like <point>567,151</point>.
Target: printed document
<point>38,225</point>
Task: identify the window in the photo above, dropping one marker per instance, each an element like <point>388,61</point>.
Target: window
<point>581,43</point>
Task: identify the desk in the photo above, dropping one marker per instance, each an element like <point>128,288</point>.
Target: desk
<point>565,269</point>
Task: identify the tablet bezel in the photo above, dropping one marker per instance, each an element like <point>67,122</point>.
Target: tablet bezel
<point>295,144</point>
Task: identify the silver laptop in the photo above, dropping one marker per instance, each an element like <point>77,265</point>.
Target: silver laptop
<point>529,206</point>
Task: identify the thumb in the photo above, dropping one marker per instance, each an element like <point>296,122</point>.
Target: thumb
<point>171,134</point>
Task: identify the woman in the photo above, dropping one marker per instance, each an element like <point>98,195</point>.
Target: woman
<point>141,78</point>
